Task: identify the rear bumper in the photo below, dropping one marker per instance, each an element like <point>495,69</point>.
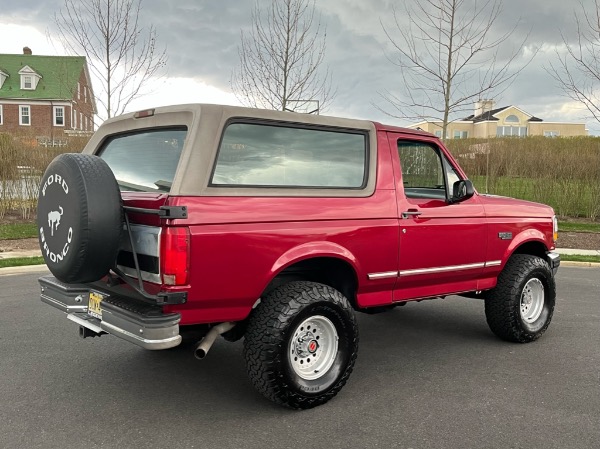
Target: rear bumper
<point>139,323</point>
<point>553,259</point>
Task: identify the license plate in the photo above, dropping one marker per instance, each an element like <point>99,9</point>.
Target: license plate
<point>94,305</point>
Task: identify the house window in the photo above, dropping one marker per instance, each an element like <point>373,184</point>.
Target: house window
<point>512,119</point>
<point>74,119</point>
<point>80,120</point>
<point>78,91</point>
<point>1,115</point>
<point>460,134</point>
<point>551,133</point>
<point>84,94</point>
<point>515,131</point>
<point>59,116</point>
<point>25,115</point>
<point>438,133</point>
<point>27,82</point>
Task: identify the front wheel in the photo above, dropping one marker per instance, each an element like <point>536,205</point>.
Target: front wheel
<point>301,344</point>
<point>521,305</point>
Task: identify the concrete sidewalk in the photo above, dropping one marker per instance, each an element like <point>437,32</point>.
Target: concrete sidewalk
<point>14,254</point>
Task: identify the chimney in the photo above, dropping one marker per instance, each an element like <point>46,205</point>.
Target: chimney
<point>26,50</point>
<point>483,106</point>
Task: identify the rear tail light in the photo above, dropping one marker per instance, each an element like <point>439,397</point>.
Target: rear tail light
<point>175,255</point>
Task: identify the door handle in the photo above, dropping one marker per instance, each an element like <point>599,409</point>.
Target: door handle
<point>410,213</point>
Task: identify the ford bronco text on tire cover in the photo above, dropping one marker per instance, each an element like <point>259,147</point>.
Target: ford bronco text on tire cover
<point>188,222</point>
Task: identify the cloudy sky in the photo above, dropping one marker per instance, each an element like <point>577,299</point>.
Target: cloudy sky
<point>202,38</point>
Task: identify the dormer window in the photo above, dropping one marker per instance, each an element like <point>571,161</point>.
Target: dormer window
<point>29,78</point>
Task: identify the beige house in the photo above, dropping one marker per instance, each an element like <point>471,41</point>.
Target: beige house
<point>506,121</point>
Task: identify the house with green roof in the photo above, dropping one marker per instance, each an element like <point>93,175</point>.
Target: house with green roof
<point>49,98</point>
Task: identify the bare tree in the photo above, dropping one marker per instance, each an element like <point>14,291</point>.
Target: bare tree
<point>577,71</point>
<point>120,52</point>
<point>280,58</point>
<point>448,58</point>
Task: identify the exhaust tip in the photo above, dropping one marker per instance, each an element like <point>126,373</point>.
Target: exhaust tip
<point>199,353</point>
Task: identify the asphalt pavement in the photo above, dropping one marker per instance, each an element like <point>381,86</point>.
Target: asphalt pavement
<point>428,375</point>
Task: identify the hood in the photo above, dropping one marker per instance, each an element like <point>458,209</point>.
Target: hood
<point>500,206</point>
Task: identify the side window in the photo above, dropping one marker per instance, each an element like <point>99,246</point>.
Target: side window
<point>426,173</point>
<point>273,155</point>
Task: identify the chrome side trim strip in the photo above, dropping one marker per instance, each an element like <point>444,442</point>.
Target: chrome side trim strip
<point>383,275</point>
<point>418,271</point>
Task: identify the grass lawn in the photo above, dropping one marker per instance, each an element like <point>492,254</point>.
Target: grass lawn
<point>573,198</point>
<point>18,231</point>
<point>21,261</point>
<point>574,258</point>
<point>578,226</point>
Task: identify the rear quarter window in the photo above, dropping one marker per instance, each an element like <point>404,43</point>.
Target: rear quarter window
<point>144,161</point>
<point>273,155</point>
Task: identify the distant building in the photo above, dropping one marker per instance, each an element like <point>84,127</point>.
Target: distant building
<point>500,122</point>
<point>49,98</point>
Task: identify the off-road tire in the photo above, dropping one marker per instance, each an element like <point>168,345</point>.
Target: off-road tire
<point>80,217</point>
<point>503,304</point>
<point>267,345</point>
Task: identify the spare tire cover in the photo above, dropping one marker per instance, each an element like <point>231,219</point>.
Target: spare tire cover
<point>80,217</point>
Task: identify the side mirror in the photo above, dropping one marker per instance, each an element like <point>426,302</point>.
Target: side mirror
<point>462,190</point>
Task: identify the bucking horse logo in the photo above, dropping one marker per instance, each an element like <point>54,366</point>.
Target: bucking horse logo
<point>54,219</point>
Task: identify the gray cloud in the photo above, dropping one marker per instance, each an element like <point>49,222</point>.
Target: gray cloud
<point>202,38</point>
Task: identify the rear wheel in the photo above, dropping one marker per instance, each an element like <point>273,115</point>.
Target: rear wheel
<point>520,308</point>
<point>301,344</point>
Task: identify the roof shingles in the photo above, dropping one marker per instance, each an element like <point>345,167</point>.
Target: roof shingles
<point>60,75</point>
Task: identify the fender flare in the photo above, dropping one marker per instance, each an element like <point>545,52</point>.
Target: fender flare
<point>313,250</point>
<point>524,237</point>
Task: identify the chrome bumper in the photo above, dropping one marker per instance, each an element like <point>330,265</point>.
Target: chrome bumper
<point>139,323</point>
<point>553,260</point>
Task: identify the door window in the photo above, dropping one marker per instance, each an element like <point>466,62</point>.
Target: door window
<point>426,172</point>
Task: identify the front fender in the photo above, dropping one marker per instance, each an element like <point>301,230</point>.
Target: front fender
<point>525,237</point>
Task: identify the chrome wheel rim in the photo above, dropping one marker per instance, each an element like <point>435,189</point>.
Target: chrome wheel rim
<point>313,347</point>
<point>532,300</point>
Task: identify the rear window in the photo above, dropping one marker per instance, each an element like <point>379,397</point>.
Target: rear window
<point>145,161</point>
<point>263,155</point>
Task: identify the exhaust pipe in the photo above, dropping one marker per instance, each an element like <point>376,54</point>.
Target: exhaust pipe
<point>204,345</point>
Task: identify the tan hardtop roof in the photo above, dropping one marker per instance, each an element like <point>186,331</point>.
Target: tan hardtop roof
<point>217,110</point>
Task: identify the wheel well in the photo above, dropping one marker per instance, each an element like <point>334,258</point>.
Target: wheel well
<point>533,249</point>
<point>326,270</point>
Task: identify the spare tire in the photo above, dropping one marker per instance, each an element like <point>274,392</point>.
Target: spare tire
<point>80,217</point>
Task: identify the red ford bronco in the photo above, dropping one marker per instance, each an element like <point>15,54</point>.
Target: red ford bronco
<point>189,222</point>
